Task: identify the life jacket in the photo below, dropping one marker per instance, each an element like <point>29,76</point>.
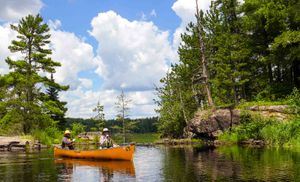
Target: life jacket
<point>107,143</point>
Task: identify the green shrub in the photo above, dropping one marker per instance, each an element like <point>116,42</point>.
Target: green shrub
<point>49,136</point>
<point>294,101</point>
<point>96,139</point>
<point>274,132</point>
<point>280,134</point>
<point>251,125</point>
<point>77,128</point>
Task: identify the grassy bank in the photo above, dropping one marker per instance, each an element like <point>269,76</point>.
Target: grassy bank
<point>274,132</point>
<point>137,137</point>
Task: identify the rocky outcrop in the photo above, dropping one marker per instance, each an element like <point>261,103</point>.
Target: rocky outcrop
<point>209,125</point>
<point>278,108</point>
<point>279,112</point>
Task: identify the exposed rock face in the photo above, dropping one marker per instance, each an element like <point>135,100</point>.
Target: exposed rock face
<point>211,124</point>
<point>279,108</point>
<point>208,124</point>
<point>279,112</point>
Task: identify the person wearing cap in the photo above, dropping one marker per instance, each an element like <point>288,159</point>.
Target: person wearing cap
<point>105,139</point>
<point>66,141</point>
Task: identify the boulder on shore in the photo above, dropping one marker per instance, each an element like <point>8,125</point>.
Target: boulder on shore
<point>208,124</point>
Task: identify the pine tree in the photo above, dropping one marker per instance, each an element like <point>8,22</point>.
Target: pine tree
<point>266,21</point>
<point>122,106</point>
<point>25,83</point>
<point>55,108</point>
<point>229,59</point>
<point>100,116</point>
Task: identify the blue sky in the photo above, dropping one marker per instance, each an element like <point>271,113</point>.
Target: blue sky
<point>76,15</point>
<point>106,46</point>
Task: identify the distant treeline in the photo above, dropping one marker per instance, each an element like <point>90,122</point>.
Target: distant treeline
<point>143,125</point>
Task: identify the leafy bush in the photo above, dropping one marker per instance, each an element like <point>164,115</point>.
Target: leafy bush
<point>280,134</point>
<point>48,136</point>
<point>251,125</point>
<point>77,128</point>
<point>294,101</point>
<point>274,132</point>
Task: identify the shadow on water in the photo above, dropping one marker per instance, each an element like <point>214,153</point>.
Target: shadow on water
<point>161,163</point>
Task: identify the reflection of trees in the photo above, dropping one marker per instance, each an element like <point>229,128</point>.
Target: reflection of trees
<point>20,166</point>
<point>178,164</point>
<point>264,164</point>
<point>106,174</point>
<point>230,164</point>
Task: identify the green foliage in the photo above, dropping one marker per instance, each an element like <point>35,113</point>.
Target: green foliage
<point>77,128</point>
<point>49,136</point>
<point>274,132</point>
<point>143,137</point>
<point>252,54</point>
<point>96,139</point>
<point>22,90</point>
<point>10,123</point>
<point>245,105</point>
<point>280,134</point>
<point>54,107</point>
<point>294,101</point>
<point>251,125</point>
<point>99,119</point>
<point>122,106</point>
<point>143,125</point>
<point>137,137</point>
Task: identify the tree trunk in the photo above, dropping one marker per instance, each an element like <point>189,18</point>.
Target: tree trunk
<point>296,73</point>
<point>203,60</point>
<point>182,107</point>
<point>270,73</point>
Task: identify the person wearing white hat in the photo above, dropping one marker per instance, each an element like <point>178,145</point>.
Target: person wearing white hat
<point>105,139</point>
<point>66,141</point>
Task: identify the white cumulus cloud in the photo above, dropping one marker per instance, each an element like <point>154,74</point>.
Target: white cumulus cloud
<point>134,54</point>
<point>6,36</point>
<point>81,103</point>
<point>75,56</point>
<point>12,10</point>
<point>186,10</point>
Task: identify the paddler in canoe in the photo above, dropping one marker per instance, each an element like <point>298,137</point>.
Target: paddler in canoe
<point>106,141</point>
<point>108,150</point>
<point>66,141</point>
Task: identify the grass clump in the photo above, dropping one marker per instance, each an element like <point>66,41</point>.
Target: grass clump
<point>49,136</point>
<point>137,137</point>
<point>273,132</point>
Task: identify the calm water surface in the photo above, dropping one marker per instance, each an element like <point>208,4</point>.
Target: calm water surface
<point>158,164</point>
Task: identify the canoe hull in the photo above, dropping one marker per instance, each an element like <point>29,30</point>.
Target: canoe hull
<point>117,153</point>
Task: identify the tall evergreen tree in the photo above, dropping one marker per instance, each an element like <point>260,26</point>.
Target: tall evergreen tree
<point>229,61</point>
<point>55,108</point>
<point>122,106</point>
<point>25,83</point>
<point>99,119</point>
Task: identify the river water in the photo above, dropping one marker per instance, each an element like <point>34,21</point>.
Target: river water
<point>159,163</point>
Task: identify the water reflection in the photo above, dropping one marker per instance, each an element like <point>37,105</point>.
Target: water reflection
<point>158,164</point>
<point>126,167</point>
<point>231,164</point>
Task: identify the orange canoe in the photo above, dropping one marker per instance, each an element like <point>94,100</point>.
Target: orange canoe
<point>116,153</point>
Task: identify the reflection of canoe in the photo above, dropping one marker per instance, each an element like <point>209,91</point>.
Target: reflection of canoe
<point>117,153</point>
<point>120,166</point>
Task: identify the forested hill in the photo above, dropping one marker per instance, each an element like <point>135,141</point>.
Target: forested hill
<point>142,125</point>
<point>234,53</point>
